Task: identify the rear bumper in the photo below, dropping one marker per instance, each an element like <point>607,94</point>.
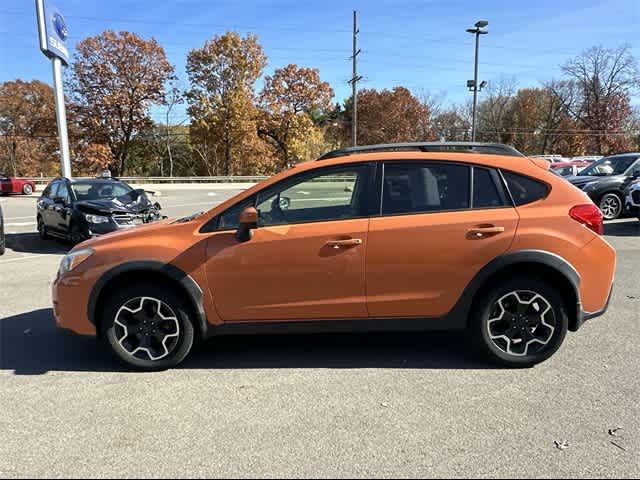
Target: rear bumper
<point>584,316</point>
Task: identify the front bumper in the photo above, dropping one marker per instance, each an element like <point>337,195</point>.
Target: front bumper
<point>69,293</point>
<point>98,229</point>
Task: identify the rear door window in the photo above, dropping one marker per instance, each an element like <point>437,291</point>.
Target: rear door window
<point>485,190</point>
<point>418,187</point>
<point>525,189</point>
<point>47,191</point>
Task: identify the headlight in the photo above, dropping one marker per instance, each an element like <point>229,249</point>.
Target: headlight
<point>73,259</point>
<point>96,219</point>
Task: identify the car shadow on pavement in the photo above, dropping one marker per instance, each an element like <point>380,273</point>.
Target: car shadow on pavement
<point>31,243</point>
<point>31,345</point>
<point>630,228</point>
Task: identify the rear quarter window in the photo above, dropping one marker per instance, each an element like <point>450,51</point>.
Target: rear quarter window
<point>525,190</point>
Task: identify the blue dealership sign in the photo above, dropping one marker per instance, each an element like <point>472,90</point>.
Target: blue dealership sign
<point>53,31</point>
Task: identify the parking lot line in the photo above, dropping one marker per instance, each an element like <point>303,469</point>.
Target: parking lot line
<point>28,257</point>
<point>20,224</point>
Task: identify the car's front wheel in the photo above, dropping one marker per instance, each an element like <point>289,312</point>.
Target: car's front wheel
<point>611,206</point>
<point>27,189</point>
<point>76,235</point>
<point>520,322</point>
<point>148,326</point>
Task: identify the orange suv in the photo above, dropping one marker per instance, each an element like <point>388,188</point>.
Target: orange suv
<point>389,237</point>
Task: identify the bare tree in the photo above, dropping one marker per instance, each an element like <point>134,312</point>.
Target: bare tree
<point>173,98</point>
<point>597,93</point>
<point>494,110</point>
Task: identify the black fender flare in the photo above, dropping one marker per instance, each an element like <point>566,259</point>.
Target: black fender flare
<point>189,286</point>
<point>461,312</point>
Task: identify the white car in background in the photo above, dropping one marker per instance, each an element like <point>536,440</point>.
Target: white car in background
<point>633,200</point>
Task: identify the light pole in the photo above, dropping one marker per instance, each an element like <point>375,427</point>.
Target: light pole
<point>473,84</point>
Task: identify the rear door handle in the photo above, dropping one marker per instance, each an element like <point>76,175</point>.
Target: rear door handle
<point>351,242</point>
<point>481,232</point>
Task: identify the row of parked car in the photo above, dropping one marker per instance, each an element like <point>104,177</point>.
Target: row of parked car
<point>613,183</point>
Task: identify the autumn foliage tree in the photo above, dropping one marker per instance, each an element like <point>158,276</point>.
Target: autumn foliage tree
<point>27,128</point>
<point>221,101</point>
<point>116,78</point>
<point>287,100</point>
<point>390,116</point>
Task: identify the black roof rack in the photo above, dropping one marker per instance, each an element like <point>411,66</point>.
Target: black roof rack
<point>459,147</point>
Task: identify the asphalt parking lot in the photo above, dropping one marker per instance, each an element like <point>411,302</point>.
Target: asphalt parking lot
<point>331,406</point>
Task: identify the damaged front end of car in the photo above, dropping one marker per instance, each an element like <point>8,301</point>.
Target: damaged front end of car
<point>109,215</point>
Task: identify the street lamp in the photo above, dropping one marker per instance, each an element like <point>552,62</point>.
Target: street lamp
<point>473,84</point>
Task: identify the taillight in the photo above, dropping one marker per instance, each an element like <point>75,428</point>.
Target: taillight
<point>590,216</point>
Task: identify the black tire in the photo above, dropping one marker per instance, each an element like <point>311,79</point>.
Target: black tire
<point>611,205</point>
<point>175,350</point>
<point>27,189</point>
<point>521,350</point>
<point>76,235</point>
<point>42,230</point>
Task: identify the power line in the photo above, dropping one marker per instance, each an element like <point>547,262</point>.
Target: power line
<point>438,40</point>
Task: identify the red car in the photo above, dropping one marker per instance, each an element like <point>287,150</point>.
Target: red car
<point>10,185</point>
<point>566,169</point>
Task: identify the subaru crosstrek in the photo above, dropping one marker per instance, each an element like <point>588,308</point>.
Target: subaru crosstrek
<point>394,237</point>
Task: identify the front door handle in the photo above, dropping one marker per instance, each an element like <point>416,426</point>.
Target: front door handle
<point>482,232</point>
<point>351,242</point>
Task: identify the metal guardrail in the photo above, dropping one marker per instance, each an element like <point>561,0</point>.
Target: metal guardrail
<point>154,180</point>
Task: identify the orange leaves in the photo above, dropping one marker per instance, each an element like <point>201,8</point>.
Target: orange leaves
<point>390,116</point>
<point>116,78</point>
<point>288,99</point>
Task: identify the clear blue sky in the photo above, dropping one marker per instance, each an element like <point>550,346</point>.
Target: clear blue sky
<point>421,44</point>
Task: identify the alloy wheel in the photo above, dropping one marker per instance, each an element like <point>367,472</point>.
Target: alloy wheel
<point>611,206</point>
<point>521,323</point>
<point>147,329</point>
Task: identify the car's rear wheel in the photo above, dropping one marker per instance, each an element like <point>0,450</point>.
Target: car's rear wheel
<point>42,230</point>
<point>520,322</point>
<point>148,326</point>
<point>27,189</point>
<point>611,206</point>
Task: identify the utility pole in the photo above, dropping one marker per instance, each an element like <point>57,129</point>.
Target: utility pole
<point>354,80</point>
<point>473,84</point>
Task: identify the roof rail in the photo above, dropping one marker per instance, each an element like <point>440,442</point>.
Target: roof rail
<point>459,147</point>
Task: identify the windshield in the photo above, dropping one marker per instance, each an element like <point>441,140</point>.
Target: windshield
<point>609,166</point>
<point>100,190</point>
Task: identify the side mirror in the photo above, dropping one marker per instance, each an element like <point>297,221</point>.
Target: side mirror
<point>285,203</point>
<point>248,223</point>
